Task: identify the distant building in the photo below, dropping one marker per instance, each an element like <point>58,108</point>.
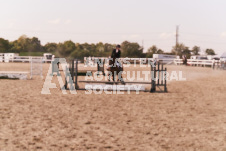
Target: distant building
<point>223,55</point>
<point>1,57</point>
<point>199,57</point>
<point>7,57</point>
<point>205,57</point>
<point>165,58</point>
<point>48,56</point>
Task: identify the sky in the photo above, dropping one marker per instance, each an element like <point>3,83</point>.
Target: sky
<point>147,22</point>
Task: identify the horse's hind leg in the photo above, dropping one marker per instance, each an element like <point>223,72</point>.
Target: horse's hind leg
<point>109,76</point>
<point>113,77</point>
<point>120,71</point>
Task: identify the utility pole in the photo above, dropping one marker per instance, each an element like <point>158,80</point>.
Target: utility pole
<point>143,43</point>
<point>177,36</point>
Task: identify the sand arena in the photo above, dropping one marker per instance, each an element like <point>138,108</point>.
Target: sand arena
<point>191,116</point>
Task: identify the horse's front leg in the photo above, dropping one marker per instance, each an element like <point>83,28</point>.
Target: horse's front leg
<point>113,77</point>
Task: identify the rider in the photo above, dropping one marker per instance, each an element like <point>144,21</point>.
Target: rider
<point>116,54</point>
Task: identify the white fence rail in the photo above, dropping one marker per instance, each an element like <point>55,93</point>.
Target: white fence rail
<point>24,59</point>
<point>191,62</point>
<point>194,62</point>
<point>91,61</point>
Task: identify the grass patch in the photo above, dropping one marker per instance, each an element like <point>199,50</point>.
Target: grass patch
<point>33,53</point>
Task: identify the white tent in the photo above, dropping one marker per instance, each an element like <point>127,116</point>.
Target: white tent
<point>223,55</point>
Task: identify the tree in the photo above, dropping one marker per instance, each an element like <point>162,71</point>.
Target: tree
<point>186,52</point>
<point>25,44</point>
<point>34,44</point>
<point>66,48</point>
<point>4,45</point>
<point>178,49</point>
<point>160,51</point>
<point>80,54</point>
<point>108,47</point>
<point>195,50</point>
<point>50,47</point>
<point>210,52</point>
<point>20,45</point>
<point>100,47</point>
<point>149,55</point>
<point>131,49</point>
<point>181,49</point>
<point>153,50</point>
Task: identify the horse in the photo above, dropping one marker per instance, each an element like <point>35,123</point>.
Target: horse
<point>114,69</point>
<point>184,60</point>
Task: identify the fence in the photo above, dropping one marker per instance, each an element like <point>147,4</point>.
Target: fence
<point>194,62</point>
<point>91,61</point>
<point>36,67</point>
<point>24,59</point>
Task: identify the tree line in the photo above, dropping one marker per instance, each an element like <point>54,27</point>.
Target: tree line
<point>69,49</point>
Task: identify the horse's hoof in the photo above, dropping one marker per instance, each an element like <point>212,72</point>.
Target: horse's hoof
<point>122,81</point>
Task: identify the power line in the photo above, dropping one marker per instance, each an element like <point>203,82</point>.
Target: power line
<point>200,34</point>
<point>203,41</point>
<point>80,33</point>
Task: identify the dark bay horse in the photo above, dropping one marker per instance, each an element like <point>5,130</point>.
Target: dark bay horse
<point>115,69</point>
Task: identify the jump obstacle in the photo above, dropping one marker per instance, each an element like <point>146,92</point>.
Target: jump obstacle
<point>55,68</point>
<point>157,70</point>
<point>35,69</point>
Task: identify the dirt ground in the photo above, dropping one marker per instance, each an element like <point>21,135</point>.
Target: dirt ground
<point>191,116</point>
